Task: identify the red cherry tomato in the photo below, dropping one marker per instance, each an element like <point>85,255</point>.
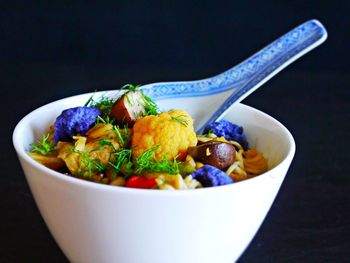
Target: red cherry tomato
<point>140,182</point>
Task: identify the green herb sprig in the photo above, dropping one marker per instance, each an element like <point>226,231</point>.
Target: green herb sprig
<point>43,146</point>
<point>89,166</point>
<point>106,119</point>
<point>122,135</point>
<point>103,103</point>
<point>147,162</point>
<point>183,121</point>
<point>130,87</point>
<point>102,143</point>
<point>151,108</point>
<point>123,158</point>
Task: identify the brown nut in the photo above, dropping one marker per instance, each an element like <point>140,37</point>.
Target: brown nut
<point>218,154</point>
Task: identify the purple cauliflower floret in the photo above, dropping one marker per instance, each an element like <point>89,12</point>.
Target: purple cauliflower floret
<point>229,131</point>
<point>74,121</point>
<point>210,176</point>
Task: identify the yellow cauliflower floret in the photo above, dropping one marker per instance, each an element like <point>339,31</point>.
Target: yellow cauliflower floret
<point>171,131</point>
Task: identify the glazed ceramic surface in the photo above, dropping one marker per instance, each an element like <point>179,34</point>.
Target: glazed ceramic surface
<point>238,82</point>
<point>101,223</point>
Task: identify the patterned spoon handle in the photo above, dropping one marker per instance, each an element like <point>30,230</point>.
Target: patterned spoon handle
<point>250,74</point>
<point>271,60</point>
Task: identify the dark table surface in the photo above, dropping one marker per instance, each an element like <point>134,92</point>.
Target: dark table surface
<point>52,51</point>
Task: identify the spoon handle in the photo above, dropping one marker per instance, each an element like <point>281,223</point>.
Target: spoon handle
<point>249,74</point>
<point>271,60</point>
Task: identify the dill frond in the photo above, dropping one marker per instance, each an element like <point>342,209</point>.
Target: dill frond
<point>104,104</point>
<point>151,108</point>
<point>89,166</point>
<point>43,146</point>
<point>183,121</point>
<point>130,87</point>
<point>147,162</point>
<point>103,142</point>
<point>123,157</point>
<point>122,135</point>
<point>105,119</point>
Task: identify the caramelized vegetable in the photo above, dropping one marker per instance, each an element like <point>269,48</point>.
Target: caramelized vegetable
<point>50,160</point>
<point>128,108</point>
<point>215,153</point>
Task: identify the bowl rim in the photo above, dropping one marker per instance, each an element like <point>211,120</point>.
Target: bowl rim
<point>22,154</point>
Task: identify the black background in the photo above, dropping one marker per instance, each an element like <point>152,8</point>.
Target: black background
<point>53,49</point>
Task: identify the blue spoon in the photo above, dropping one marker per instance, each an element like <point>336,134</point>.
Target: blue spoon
<point>244,78</point>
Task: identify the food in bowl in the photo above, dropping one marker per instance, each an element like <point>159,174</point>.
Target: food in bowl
<point>127,141</point>
<point>94,222</point>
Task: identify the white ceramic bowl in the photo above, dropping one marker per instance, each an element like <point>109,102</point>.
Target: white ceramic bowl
<point>100,223</point>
